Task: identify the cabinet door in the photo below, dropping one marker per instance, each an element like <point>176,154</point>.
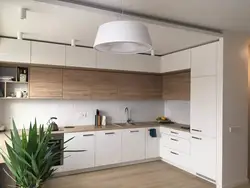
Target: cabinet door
<point>108,147</point>
<point>176,61</point>
<point>12,50</point>
<point>77,84</point>
<point>203,155</point>
<point>203,106</point>
<point>204,60</point>
<point>47,54</point>
<point>75,157</point>
<point>110,61</point>
<point>45,82</point>
<point>133,145</point>
<point>80,57</point>
<point>152,144</point>
<point>176,86</point>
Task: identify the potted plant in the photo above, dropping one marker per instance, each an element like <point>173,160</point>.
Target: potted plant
<point>29,157</point>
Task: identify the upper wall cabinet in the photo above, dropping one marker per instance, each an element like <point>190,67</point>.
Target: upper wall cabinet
<point>47,54</point>
<point>176,61</point>
<point>140,63</point>
<point>13,50</point>
<point>80,57</point>
<point>204,60</point>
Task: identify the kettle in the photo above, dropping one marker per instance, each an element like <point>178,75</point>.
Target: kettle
<point>52,124</point>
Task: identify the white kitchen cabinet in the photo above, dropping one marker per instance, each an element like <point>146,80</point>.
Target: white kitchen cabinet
<point>203,106</point>
<point>80,57</point>
<point>176,61</point>
<point>203,155</point>
<point>13,50</point>
<point>75,157</point>
<point>133,145</point>
<point>204,60</point>
<point>152,143</point>
<point>108,147</point>
<point>47,54</point>
<point>140,63</point>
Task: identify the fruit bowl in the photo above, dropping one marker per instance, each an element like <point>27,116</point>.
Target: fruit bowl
<point>163,120</point>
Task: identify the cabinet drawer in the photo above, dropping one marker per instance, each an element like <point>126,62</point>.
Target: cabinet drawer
<point>179,144</point>
<point>180,134</point>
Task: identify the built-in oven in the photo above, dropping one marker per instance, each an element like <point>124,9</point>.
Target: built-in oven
<point>58,140</point>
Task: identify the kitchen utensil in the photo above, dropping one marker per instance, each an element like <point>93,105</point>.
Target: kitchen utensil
<point>25,94</point>
<point>104,120</point>
<point>19,94</point>
<point>52,124</point>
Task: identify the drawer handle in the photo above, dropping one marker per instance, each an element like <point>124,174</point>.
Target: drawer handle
<point>196,138</point>
<point>197,130</point>
<point>88,135</point>
<point>174,132</point>
<point>109,133</point>
<point>174,153</point>
<point>174,139</point>
<point>134,131</point>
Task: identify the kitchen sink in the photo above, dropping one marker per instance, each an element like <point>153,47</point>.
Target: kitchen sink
<point>124,124</point>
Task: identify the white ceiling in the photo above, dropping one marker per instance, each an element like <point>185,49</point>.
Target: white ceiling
<point>55,23</point>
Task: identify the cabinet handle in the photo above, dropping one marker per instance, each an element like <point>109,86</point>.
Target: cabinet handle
<point>196,138</point>
<point>134,131</point>
<point>174,139</point>
<point>174,153</point>
<point>197,130</point>
<point>109,133</point>
<point>88,135</point>
<point>174,132</point>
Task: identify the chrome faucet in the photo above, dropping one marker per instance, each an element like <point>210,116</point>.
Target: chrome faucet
<point>128,115</point>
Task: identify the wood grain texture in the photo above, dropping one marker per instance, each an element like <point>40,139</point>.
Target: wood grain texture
<point>147,175</point>
<point>45,83</point>
<point>176,86</point>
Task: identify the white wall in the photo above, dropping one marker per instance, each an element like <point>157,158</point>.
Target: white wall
<point>70,112</point>
<point>233,146</point>
<point>178,111</point>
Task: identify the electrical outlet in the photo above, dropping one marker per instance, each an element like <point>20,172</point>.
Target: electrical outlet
<point>84,114</point>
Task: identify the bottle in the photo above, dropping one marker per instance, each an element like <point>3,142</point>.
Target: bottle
<point>97,118</point>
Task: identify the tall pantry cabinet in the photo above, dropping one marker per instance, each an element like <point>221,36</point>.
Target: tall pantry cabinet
<point>203,110</point>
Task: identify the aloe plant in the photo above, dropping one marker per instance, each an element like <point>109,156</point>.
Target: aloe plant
<point>29,157</point>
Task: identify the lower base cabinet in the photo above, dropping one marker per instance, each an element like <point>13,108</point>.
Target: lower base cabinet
<point>152,143</point>
<point>133,145</point>
<point>108,147</point>
<point>203,154</point>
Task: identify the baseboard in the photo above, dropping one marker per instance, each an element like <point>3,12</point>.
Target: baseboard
<point>236,184</point>
<point>60,174</point>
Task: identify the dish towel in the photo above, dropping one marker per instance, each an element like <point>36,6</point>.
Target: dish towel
<point>152,133</point>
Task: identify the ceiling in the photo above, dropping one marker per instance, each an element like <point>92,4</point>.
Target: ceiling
<point>50,22</point>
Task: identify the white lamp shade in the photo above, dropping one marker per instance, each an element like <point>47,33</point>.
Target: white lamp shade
<point>123,37</point>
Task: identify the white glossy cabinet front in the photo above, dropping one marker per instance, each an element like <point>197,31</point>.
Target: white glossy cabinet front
<point>176,61</point>
<point>75,157</point>
<point>204,60</point>
<point>80,57</point>
<point>152,143</point>
<point>203,154</point>
<point>13,50</point>
<point>47,54</point>
<point>133,144</point>
<point>203,106</point>
<point>108,147</point>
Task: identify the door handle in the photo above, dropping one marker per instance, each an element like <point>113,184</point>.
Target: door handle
<point>174,139</point>
<point>174,132</point>
<point>197,130</point>
<point>174,153</point>
<point>134,131</point>
<point>109,133</point>
<point>88,135</point>
<point>194,137</point>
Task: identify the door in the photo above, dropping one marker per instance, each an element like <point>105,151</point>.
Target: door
<point>204,60</point>
<point>13,50</point>
<point>80,57</point>
<point>47,54</point>
<point>203,106</point>
<point>108,147</point>
<point>75,156</point>
<point>152,143</point>
<point>45,83</point>
<point>203,155</point>
<point>133,145</point>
